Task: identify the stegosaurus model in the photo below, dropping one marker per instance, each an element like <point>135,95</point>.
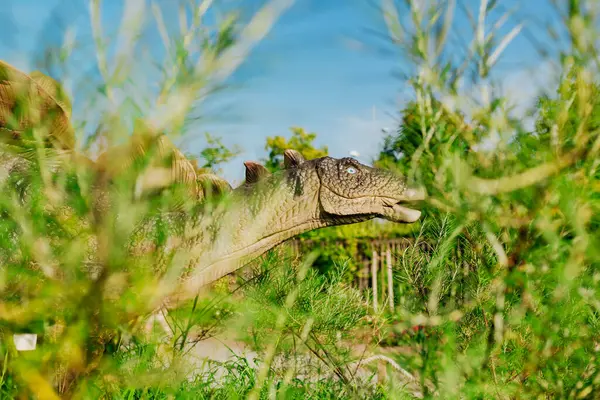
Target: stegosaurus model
<point>263,212</point>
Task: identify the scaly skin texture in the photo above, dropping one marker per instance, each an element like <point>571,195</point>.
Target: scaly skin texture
<point>271,209</point>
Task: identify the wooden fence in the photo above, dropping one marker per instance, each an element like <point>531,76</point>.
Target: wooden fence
<point>375,258</point>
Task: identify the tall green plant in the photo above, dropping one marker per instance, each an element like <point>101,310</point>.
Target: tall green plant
<point>509,285</point>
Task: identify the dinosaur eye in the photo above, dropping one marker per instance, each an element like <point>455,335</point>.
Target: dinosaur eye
<point>351,170</point>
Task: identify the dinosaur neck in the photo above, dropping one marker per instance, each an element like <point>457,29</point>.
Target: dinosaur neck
<point>258,218</point>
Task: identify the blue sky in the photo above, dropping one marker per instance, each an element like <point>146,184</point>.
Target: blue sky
<point>318,68</point>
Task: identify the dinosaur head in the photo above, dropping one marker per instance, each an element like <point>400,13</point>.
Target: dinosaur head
<point>350,189</point>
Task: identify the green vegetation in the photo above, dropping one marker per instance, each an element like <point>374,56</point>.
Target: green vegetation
<point>300,141</point>
<point>498,297</point>
<point>214,154</point>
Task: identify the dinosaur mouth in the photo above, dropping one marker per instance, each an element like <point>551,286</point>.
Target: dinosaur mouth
<point>398,212</point>
<point>403,210</point>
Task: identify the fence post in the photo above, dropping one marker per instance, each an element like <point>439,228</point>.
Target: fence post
<point>383,274</point>
<point>374,279</point>
<point>366,274</point>
<point>390,278</point>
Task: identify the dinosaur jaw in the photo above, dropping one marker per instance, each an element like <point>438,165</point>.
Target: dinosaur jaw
<point>400,210</point>
<point>397,212</point>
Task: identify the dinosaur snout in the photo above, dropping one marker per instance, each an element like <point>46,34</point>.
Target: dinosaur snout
<point>414,195</point>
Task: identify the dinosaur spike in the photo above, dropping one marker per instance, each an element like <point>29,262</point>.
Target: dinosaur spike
<point>38,96</point>
<point>292,158</point>
<point>212,185</point>
<point>255,171</point>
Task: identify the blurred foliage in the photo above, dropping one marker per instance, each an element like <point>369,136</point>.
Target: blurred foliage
<point>503,302</point>
<point>213,154</point>
<point>506,295</point>
<point>65,274</point>
<point>576,106</point>
<point>300,141</point>
<point>416,131</point>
